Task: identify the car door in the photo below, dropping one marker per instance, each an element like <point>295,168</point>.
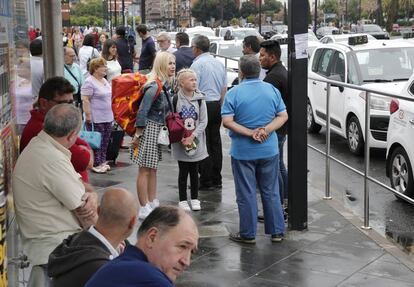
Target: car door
<point>337,95</point>
<point>321,68</point>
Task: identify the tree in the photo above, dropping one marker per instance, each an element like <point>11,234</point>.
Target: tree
<point>272,5</point>
<point>247,9</point>
<point>204,10</point>
<point>369,8</point>
<point>89,12</point>
<point>330,6</point>
<point>353,7</point>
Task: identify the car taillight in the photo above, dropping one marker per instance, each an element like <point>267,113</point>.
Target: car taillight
<point>394,106</point>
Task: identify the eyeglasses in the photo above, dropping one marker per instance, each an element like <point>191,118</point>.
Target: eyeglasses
<point>63,102</point>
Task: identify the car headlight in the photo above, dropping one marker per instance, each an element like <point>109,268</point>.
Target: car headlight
<point>377,102</point>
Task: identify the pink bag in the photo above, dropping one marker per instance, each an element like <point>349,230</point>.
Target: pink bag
<point>175,125</point>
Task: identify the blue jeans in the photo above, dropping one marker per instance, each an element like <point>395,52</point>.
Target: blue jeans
<point>283,173</point>
<point>249,174</point>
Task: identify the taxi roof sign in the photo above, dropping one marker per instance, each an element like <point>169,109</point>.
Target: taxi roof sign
<point>358,40</point>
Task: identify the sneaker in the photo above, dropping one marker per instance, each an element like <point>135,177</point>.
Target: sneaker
<point>99,169</point>
<point>238,238</point>
<point>144,211</point>
<point>155,203</point>
<point>277,237</point>
<point>184,205</point>
<point>260,218</point>
<point>195,205</point>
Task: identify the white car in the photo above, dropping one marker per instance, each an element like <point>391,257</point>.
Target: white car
<point>400,149</point>
<point>231,49</point>
<point>377,65</point>
<point>343,38</point>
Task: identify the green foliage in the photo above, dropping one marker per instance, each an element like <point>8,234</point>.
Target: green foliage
<point>204,10</point>
<point>248,8</point>
<point>86,20</point>
<point>89,12</point>
<point>234,22</point>
<point>272,5</point>
<point>251,19</point>
<point>330,6</point>
<point>353,11</point>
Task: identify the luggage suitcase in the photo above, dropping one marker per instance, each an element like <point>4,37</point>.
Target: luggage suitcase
<point>117,135</point>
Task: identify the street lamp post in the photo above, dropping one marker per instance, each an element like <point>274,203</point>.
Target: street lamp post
<point>260,16</point>
<point>315,16</point>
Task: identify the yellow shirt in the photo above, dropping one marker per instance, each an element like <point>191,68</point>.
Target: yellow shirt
<point>45,189</point>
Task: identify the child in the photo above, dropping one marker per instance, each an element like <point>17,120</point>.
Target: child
<point>191,105</point>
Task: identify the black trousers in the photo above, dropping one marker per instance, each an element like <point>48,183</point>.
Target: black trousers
<point>210,168</point>
<point>186,168</point>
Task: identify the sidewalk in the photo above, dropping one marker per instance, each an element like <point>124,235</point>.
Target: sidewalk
<point>333,252</point>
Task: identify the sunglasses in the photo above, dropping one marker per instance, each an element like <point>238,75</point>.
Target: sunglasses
<point>64,102</point>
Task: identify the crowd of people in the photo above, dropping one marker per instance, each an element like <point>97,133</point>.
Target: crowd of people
<point>69,239</point>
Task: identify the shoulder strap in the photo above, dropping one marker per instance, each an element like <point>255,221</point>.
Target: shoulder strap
<point>199,103</point>
<point>73,76</point>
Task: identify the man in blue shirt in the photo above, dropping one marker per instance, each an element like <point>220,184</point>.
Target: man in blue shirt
<point>212,81</point>
<point>147,50</point>
<point>183,56</point>
<point>166,239</point>
<point>252,111</point>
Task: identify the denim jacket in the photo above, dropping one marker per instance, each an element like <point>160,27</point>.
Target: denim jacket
<point>151,110</point>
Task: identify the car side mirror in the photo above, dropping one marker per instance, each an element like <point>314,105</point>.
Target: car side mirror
<point>336,77</point>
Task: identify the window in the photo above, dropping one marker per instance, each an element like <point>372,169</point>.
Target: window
<point>324,62</point>
<point>352,72</point>
<point>316,59</point>
<point>338,66</point>
<point>213,48</point>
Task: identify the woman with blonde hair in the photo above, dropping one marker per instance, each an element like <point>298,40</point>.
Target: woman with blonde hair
<point>150,119</point>
<point>97,99</point>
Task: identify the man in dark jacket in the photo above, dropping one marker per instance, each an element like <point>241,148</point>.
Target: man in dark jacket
<point>125,50</point>
<point>277,75</point>
<point>80,255</point>
<point>183,56</point>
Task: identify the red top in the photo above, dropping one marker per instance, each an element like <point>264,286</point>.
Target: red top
<point>80,157</point>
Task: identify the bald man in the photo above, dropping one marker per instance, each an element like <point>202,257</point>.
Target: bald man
<point>80,255</point>
<point>166,239</point>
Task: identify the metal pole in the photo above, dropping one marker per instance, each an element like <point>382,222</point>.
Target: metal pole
<point>260,16</point>
<point>143,19</point>
<point>110,17</point>
<point>116,16</point>
<point>366,161</point>
<point>189,5</point>
<point>123,13</point>
<point>297,107</point>
<point>51,19</point>
<point>328,145</point>
<point>315,16</point>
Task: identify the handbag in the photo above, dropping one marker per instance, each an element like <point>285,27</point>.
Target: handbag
<point>91,137</point>
<point>174,122</point>
<point>163,138</point>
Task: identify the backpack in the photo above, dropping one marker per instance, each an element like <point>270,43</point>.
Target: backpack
<point>127,93</point>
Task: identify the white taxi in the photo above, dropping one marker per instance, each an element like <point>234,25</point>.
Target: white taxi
<point>400,149</point>
<point>377,65</point>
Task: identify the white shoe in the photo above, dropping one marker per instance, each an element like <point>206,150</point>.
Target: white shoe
<point>184,205</point>
<point>155,203</point>
<point>144,211</point>
<point>195,205</point>
<point>99,169</point>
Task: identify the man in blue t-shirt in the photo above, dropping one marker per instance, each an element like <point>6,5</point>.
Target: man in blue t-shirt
<point>166,239</point>
<point>148,51</point>
<point>252,111</point>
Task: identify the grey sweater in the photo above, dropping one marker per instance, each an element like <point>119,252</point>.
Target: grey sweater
<point>195,122</point>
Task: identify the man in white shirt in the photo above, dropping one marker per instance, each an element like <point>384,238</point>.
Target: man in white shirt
<point>51,201</point>
<point>36,66</point>
<point>80,255</point>
<point>164,42</point>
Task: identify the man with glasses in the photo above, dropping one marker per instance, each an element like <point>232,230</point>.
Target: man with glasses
<point>54,91</point>
<point>164,42</point>
<point>72,72</point>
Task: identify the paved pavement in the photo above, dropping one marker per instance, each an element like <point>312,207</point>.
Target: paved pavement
<point>334,251</point>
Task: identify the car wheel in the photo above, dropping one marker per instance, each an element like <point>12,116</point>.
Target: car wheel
<point>400,171</point>
<point>312,126</point>
<point>354,136</point>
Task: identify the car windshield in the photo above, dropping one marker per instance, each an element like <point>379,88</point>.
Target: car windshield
<point>372,28</point>
<point>381,65</point>
<point>230,50</point>
<point>241,34</point>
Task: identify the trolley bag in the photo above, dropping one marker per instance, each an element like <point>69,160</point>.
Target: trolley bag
<point>115,141</point>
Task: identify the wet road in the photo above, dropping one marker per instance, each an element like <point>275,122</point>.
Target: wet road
<point>388,215</point>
